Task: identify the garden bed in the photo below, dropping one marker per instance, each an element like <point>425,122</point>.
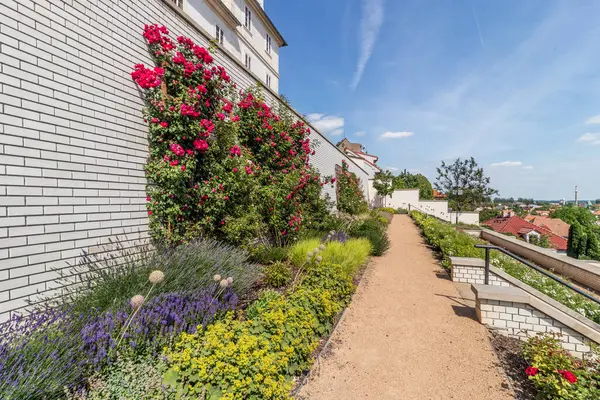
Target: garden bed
<point>509,352</point>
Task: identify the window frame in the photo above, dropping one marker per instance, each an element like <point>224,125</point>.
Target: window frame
<point>268,44</point>
<point>268,80</point>
<point>220,34</point>
<point>248,18</point>
<point>248,62</point>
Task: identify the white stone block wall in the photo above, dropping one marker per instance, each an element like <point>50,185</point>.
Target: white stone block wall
<point>476,274</point>
<point>73,142</point>
<point>522,321</point>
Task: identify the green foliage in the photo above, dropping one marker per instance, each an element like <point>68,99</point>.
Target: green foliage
<point>258,357</point>
<point>406,180</point>
<point>401,211</point>
<point>451,243</point>
<point>351,199</point>
<point>571,214</point>
<point>375,231</point>
<point>464,183</point>
<point>383,184</point>
<point>264,254</point>
<point>278,274</point>
<point>543,241</point>
<point>127,378</point>
<point>349,255</point>
<point>488,214</point>
<point>110,280</point>
<point>583,241</point>
<point>386,209</point>
<point>547,357</point>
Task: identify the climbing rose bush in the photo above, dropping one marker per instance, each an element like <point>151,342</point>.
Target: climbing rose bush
<point>351,199</point>
<point>221,161</point>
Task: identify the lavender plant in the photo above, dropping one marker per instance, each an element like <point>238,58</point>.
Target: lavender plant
<point>335,236</point>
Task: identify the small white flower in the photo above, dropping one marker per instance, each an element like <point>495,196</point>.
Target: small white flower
<point>217,277</point>
<point>137,301</point>
<point>322,247</point>
<point>156,277</point>
<point>224,283</point>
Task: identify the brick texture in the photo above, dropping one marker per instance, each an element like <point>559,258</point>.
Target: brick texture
<point>522,321</point>
<point>72,136</point>
<point>472,274</point>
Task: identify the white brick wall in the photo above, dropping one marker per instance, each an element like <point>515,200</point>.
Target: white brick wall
<point>72,137</point>
<point>476,274</point>
<point>522,321</point>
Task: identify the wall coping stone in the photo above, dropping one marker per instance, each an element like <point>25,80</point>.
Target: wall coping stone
<point>468,262</point>
<point>501,293</point>
<point>587,266</point>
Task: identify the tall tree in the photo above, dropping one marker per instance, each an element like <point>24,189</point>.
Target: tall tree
<point>571,213</point>
<point>575,239</point>
<point>384,184</point>
<point>406,180</point>
<point>464,183</point>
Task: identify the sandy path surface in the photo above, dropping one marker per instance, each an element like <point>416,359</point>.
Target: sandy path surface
<point>407,335</point>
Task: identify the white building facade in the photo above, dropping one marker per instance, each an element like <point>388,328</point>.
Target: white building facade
<point>243,28</point>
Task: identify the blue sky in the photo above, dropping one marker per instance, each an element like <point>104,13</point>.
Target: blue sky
<point>513,83</point>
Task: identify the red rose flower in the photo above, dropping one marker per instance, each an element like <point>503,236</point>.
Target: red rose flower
<point>164,124</point>
<point>531,371</point>
<point>235,118</point>
<point>201,145</point>
<point>149,212</point>
<point>235,170</point>
<point>174,163</point>
<point>568,375</point>
<point>183,167</point>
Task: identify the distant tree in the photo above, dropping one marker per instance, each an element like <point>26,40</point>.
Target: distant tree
<point>488,214</point>
<point>575,239</point>
<point>464,183</point>
<point>519,211</point>
<point>597,201</point>
<point>384,184</point>
<point>543,241</point>
<point>406,180</point>
<point>570,214</point>
<point>533,212</point>
<point>593,246</point>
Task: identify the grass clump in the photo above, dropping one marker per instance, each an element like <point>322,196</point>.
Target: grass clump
<point>278,274</point>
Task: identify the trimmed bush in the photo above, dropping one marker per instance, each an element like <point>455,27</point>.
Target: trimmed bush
<point>386,209</point>
<point>375,231</point>
<point>278,274</point>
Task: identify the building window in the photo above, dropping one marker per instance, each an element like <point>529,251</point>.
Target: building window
<point>248,61</point>
<point>268,80</point>
<point>268,44</point>
<point>248,20</point>
<point>219,35</point>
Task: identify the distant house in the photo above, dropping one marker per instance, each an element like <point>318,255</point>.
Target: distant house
<point>345,144</point>
<point>438,195</point>
<point>554,225</point>
<point>522,229</point>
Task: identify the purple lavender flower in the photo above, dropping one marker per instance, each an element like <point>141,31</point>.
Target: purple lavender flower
<point>335,236</point>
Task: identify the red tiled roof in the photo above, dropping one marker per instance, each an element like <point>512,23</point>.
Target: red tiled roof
<point>555,225</point>
<point>517,226</point>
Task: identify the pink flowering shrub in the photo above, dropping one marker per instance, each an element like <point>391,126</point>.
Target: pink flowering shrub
<point>351,199</point>
<point>221,162</point>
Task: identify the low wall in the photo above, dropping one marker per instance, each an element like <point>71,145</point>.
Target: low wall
<point>469,218</point>
<point>515,309</point>
<point>582,272</point>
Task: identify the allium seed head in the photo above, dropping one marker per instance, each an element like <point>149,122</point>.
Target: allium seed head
<point>230,280</point>
<point>319,259</point>
<point>136,301</point>
<point>316,250</point>
<point>217,277</point>
<point>322,247</point>
<point>309,255</point>
<point>224,283</point>
<point>156,277</point>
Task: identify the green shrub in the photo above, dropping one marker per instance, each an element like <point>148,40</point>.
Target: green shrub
<point>130,379</point>
<point>257,358</point>
<point>269,254</point>
<point>556,374</point>
<point>444,237</point>
<point>110,285</point>
<point>351,199</point>
<point>350,255</point>
<point>278,274</point>
<point>386,209</point>
<point>298,252</point>
<point>375,231</point>
<point>401,211</point>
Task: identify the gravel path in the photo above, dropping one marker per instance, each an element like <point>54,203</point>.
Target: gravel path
<point>407,335</point>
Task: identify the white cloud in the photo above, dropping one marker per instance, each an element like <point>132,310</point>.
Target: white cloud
<point>372,19</point>
<point>528,167</point>
<point>360,133</point>
<point>593,120</point>
<point>396,135</point>
<point>591,138</point>
<point>392,169</point>
<point>327,124</point>
<point>507,164</point>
